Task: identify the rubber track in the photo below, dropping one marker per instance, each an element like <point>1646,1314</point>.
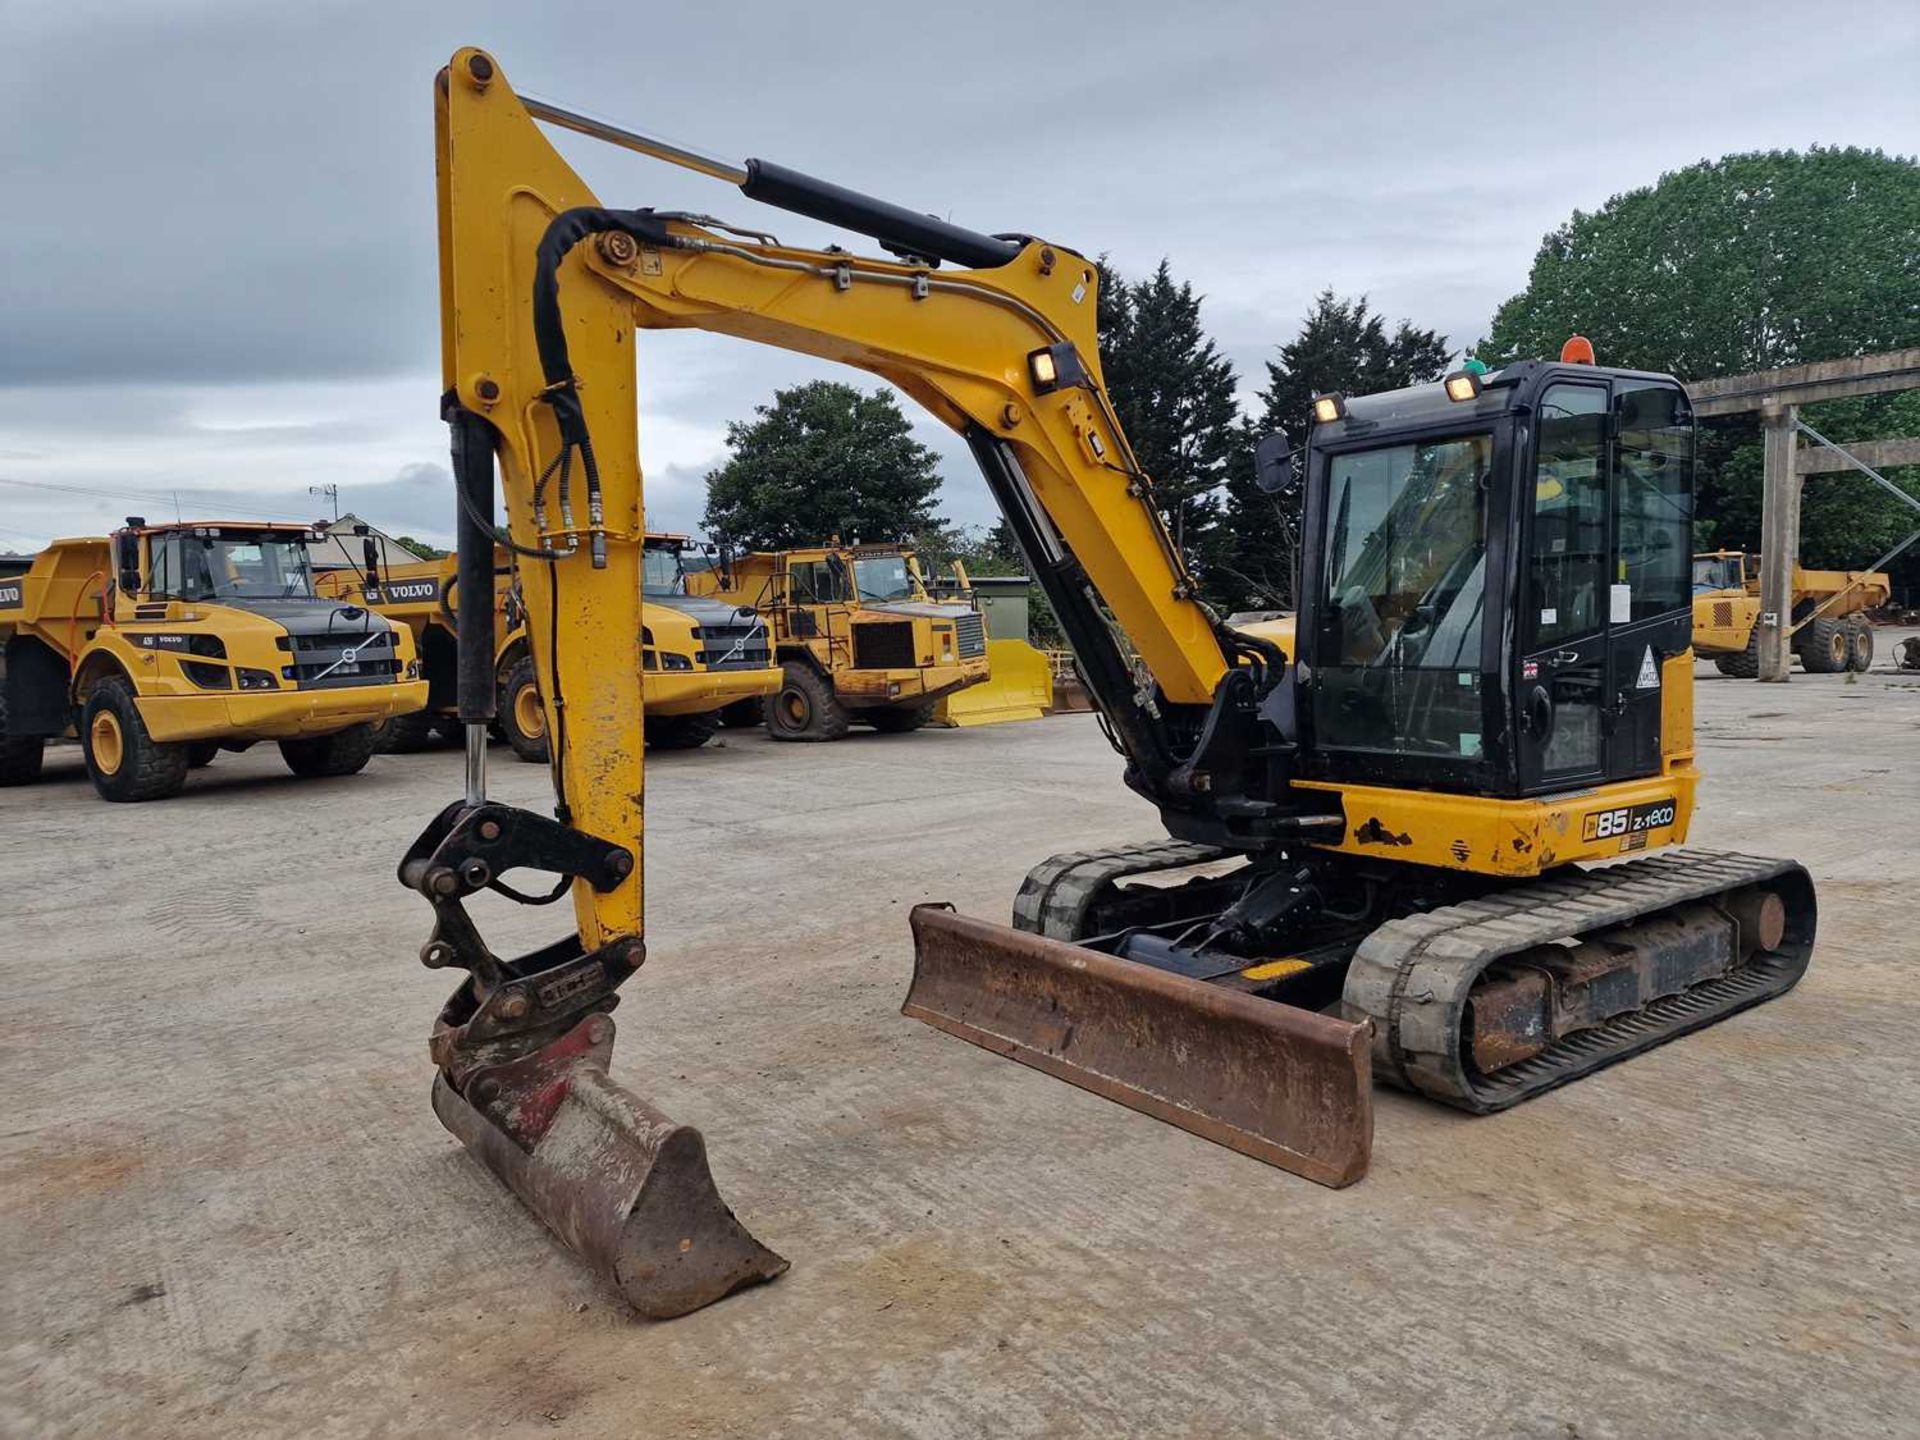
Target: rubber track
<point>1057,893</point>
<point>1412,977</point>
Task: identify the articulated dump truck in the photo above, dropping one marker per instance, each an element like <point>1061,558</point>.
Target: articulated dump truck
<point>698,656</point>
<point>162,645</point>
<point>1830,629</point>
<point>859,639</point>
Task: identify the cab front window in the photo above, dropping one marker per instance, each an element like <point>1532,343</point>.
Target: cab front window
<point>1405,588</point>
<point>215,567</point>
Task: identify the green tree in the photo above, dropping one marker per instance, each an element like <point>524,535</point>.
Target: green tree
<point>420,548</point>
<point>823,459</point>
<point>1739,264</point>
<point>1174,393</point>
<point>1342,345</point>
<point>1731,265</point>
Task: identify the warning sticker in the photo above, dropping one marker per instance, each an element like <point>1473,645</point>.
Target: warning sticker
<point>1649,672</point>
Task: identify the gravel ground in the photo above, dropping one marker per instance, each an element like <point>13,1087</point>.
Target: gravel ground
<point>228,1210</point>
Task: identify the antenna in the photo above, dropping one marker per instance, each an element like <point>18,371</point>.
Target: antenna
<point>329,493</point>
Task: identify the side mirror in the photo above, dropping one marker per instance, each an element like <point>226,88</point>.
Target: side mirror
<point>1273,463</point>
<point>370,561</point>
<point>127,560</point>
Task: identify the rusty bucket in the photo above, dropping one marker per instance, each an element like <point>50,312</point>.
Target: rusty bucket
<point>619,1182</point>
<point>1285,1085</point>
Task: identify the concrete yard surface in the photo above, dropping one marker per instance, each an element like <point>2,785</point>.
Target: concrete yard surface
<point>227,1208</point>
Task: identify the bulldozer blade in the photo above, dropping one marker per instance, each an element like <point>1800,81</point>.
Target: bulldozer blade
<point>1285,1085</point>
<point>619,1182</point>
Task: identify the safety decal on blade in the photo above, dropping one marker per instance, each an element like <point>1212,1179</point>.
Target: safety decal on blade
<point>1649,672</point>
<point>1628,820</point>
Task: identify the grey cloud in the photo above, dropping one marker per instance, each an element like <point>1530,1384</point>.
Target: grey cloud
<point>217,193</point>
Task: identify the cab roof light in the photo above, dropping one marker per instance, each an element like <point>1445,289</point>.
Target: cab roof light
<point>1462,384</point>
<point>1577,351</point>
<point>1329,407</point>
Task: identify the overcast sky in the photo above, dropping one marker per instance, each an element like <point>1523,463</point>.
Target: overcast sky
<point>217,233</point>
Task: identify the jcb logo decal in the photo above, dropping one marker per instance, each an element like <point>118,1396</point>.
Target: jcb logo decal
<point>1627,820</point>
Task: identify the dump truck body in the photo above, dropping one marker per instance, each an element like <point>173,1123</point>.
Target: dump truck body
<point>212,634</point>
<point>697,655</point>
<point>859,637</point>
<point>1830,631</point>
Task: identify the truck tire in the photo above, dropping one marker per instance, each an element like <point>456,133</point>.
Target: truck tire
<point>1745,665</point>
<point>806,707</point>
<point>743,714</point>
<point>898,719</point>
<point>124,762</point>
<point>345,752</point>
<point>20,755</point>
<point>404,734</point>
<point>522,720</point>
<point>682,732</point>
<point>1827,646</point>
<point>200,753</point>
<point>1860,655</point>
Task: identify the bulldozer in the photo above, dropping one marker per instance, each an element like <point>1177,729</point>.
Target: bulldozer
<point>697,656</point>
<point>859,638</point>
<point>1829,627</point>
<point>159,646</point>
<point>1386,853</point>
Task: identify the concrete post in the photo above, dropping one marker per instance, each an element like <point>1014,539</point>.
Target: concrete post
<point>1779,540</point>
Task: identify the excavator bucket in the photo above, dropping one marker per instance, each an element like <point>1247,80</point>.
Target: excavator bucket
<point>1285,1085</point>
<point>624,1186</point>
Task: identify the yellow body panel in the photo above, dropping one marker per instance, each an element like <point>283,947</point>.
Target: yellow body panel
<point>1517,839</point>
<point>276,715</point>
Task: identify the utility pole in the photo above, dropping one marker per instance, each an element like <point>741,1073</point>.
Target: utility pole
<point>1779,539</point>
<point>330,493</point>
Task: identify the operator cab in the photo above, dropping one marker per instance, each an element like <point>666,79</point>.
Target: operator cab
<point>1495,569</point>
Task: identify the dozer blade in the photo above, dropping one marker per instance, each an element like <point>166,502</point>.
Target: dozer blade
<point>1288,1086</point>
<point>619,1182</point>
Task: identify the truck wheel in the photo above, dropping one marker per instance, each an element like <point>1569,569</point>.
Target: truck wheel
<point>898,719</point>
<point>1861,647</point>
<point>404,734</point>
<point>123,760</point>
<point>1745,665</point>
<point>1827,646</point>
<point>522,720</point>
<point>806,707</point>
<point>200,753</point>
<point>682,732</point>
<point>345,752</point>
<point>20,755</point>
<point>743,714</point>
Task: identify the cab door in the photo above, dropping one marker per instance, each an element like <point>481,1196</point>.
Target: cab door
<point>1565,661</point>
<point>1650,610</point>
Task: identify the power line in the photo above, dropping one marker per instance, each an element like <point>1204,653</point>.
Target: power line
<point>143,496</point>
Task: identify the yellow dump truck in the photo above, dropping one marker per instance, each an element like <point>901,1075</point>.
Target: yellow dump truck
<point>858,638</point>
<point>697,655</point>
<point>1830,629</point>
<point>161,645</point>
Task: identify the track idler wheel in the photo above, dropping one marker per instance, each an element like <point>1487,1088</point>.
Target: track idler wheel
<point>619,1182</point>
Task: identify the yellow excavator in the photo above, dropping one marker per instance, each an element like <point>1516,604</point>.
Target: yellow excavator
<point>1381,844</point>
